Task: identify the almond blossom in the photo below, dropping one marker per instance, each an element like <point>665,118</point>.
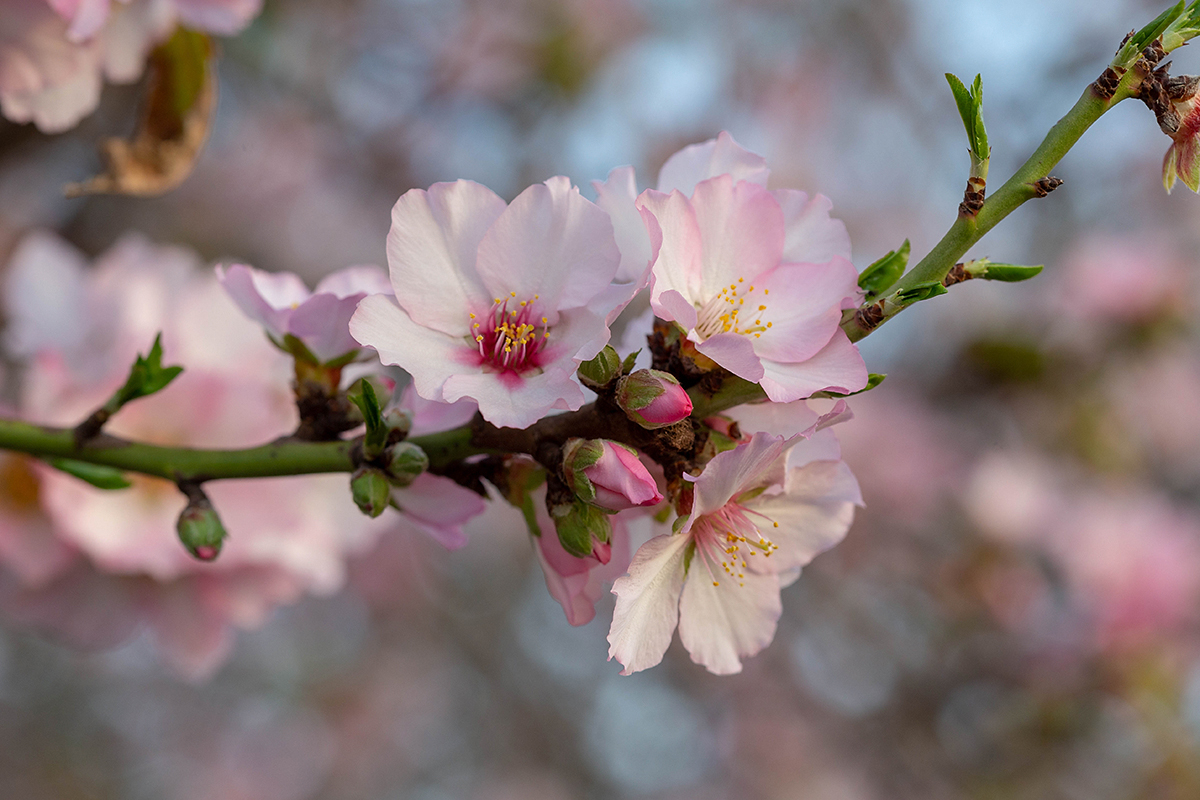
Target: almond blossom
<point>281,303</point>
<point>758,279</point>
<point>288,535</point>
<point>754,523</point>
<point>493,302</point>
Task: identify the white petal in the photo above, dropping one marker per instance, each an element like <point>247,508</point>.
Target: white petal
<point>812,236</point>
<point>838,367</point>
<point>719,156</point>
<point>647,606</point>
<point>432,248</point>
<point>814,514</point>
<point>724,618</point>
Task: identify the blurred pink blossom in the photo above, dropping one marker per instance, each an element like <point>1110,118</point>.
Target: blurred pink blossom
<point>287,535</point>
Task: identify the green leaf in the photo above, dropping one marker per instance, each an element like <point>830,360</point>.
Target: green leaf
<point>363,396</point>
<point>922,291</point>
<point>881,275</point>
<point>970,108</point>
<point>1156,27</point>
<point>873,380</point>
<point>597,372</point>
<point>96,474</point>
<point>629,362</point>
<point>1009,273</point>
<point>146,376</point>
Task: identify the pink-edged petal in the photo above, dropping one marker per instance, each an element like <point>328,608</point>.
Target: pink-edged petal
<point>678,265</point>
<point>432,247</point>
<point>812,237</point>
<point>617,196</point>
<point>780,419</point>
<point>431,416</point>
<point>734,352</point>
<point>322,323</point>
<point>511,401</point>
<point>741,231</point>
<point>647,607</point>
<point>550,242</point>
<point>822,445</point>
<point>360,279</point>
<point>439,507</point>
<point>674,307</point>
<point>432,358</point>
<point>804,308</point>
<point>814,513</point>
<point>724,618</point>
<point>756,463</point>
<point>268,298</point>
<point>837,367</point>
<point>699,162</point>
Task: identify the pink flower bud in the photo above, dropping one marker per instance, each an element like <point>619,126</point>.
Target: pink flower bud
<point>653,399</point>
<point>608,475</point>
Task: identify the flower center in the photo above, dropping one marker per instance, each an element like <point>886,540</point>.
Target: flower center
<point>736,536</point>
<point>510,336</point>
<point>737,308</point>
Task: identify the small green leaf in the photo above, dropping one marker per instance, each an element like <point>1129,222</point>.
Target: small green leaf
<point>970,108</point>
<point>146,377</point>
<point>629,362</point>
<point>1156,27</point>
<point>601,369</point>
<point>922,291</point>
<point>97,475</point>
<point>881,275</point>
<point>376,437</point>
<point>873,380</point>
<point>1009,273</point>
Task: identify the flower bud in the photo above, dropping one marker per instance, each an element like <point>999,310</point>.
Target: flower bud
<point>371,490</point>
<point>608,475</point>
<point>200,528</point>
<point>601,369</point>
<point>398,420</point>
<point>653,399</point>
<point>407,462</point>
<point>583,530</point>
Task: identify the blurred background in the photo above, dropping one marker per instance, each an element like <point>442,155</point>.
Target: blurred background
<point>1015,614</point>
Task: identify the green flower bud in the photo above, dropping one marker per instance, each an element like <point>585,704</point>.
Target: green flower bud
<point>371,490</point>
<point>583,530</point>
<point>200,528</point>
<point>407,462</point>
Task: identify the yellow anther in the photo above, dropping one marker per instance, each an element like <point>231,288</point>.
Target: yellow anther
<point>512,294</point>
<point>716,584</point>
<point>472,316</point>
<point>762,308</point>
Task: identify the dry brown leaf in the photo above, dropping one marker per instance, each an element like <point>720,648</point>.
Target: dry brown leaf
<point>175,122</point>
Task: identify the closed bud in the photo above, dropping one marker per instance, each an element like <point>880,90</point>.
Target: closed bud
<point>397,420</point>
<point>653,399</point>
<point>608,475</point>
<point>199,528</point>
<point>601,369</point>
<point>583,530</point>
<point>407,462</point>
<point>371,490</point>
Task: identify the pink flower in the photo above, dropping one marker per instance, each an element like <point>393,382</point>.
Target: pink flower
<point>287,535</point>
<point>493,303</point>
<point>758,279</point>
<point>608,475</point>
<point>754,523</point>
<point>281,303</point>
<point>653,399</point>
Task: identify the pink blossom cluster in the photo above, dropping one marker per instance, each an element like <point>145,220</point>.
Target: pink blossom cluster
<point>56,54</point>
<point>490,307</point>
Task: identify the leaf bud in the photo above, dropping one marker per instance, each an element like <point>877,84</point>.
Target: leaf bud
<point>598,372</point>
